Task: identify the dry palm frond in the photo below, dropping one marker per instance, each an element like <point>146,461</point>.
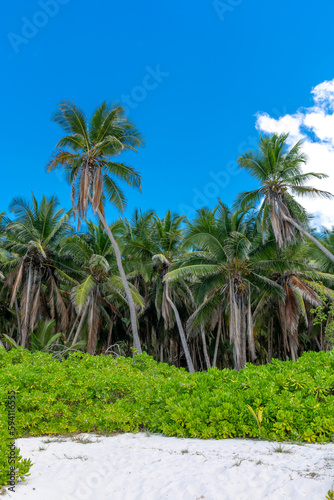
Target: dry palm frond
<point>61,307</point>
<point>306,291</point>
<point>97,189</point>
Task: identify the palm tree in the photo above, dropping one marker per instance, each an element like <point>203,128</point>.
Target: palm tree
<point>135,238</point>
<point>98,285</point>
<point>291,269</point>
<point>230,273</point>
<point>155,244</point>
<point>86,154</point>
<point>7,315</point>
<point>33,267</point>
<point>279,171</point>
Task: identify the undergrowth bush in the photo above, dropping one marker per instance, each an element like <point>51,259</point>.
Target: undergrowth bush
<point>282,401</point>
<point>12,465</point>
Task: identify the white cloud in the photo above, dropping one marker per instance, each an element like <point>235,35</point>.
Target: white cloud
<point>324,94</point>
<point>315,126</point>
<point>286,124</point>
<point>321,123</point>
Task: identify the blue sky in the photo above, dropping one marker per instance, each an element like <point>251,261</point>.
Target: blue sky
<point>197,73</point>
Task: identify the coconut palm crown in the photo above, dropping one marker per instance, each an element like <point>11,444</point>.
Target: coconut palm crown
<point>86,153</point>
<point>278,168</point>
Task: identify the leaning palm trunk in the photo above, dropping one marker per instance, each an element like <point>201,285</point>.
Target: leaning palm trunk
<point>205,350</point>
<point>219,329</point>
<point>72,329</point>
<point>82,320</point>
<point>309,236</point>
<point>181,331</point>
<point>133,316</point>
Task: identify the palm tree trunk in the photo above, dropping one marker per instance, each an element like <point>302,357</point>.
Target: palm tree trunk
<point>205,350</point>
<point>250,329</point>
<point>156,344</point>
<point>18,321</point>
<point>148,338</point>
<point>310,237</point>
<point>111,326</point>
<point>178,354</point>
<point>237,327</point>
<point>92,325</point>
<point>201,367</point>
<point>270,340</point>
<point>26,308</point>
<point>193,354</point>
<point>72,329</point>
<point>133,316</point>
<point>293,341</point>
<point>215,354</point>
<point>171,351</point>
<point>181,332</point>
<point>242,323</point>
<point>81,323</point>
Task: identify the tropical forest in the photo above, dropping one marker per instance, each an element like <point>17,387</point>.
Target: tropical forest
<point>220,326</point>
<point>236,284</point>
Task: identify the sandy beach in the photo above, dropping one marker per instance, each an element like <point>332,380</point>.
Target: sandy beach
<point>155,467</point>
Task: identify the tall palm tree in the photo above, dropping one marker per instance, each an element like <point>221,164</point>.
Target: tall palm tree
<point>33,267</point>
<point>156,244</point>
<point>98,286</point>
<point>279,171</point>
<point>86,154</point>
<point>230,273</point>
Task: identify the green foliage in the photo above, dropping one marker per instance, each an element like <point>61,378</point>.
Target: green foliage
<point>324,314</point>
<point>22,465</point>
<point>10,341</point>
<point>43,338</point>
<point>257,415</point>
<point>85,393</point>
<point>330,494</point>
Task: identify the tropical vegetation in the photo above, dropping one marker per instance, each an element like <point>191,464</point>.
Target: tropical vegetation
<point>279,401</point>
<point>248,287</point>
<point>239,284</point>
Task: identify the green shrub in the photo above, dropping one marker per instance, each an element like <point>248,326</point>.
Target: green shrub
<point>12,465</point>
<point>100,394</point>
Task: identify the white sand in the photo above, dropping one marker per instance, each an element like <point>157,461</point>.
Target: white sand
<point>143,467</point>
